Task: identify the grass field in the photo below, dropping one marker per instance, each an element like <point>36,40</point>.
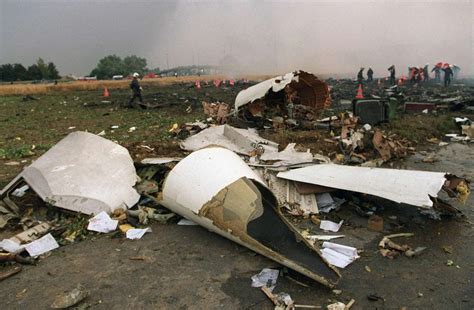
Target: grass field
<point>29,128</point>
<point>31,89</point>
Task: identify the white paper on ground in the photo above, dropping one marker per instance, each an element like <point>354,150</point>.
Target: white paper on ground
<point>186,222</point>
<point>267,277</point>
<point>339,255</point>
<point>330,226</point>
<point>102,223</point>
<point>137,233</point>
<point>11,246</point>
<point>42,245</point>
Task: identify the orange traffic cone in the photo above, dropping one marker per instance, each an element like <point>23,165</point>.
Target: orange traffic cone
<point>360,94</point>
<point>106,92</point>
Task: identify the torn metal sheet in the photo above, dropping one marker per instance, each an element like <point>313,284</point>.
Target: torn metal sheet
<point>402,186</point>
<point>288,156</point>
<point>84,173</point>
<point>230,199</point>
<point>242,141</point>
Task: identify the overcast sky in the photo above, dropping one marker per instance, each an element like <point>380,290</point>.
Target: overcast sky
<point>258,36</point>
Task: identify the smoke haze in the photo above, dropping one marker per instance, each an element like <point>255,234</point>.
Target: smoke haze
<point>324,37</point>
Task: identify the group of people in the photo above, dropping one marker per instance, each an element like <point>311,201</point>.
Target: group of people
<point>416,74</point>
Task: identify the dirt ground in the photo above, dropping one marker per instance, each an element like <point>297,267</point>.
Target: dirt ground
<point>188,267</point>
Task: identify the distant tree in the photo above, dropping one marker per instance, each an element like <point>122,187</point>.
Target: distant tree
<point>108,66</point>
<point>34,72</point>
<point>43,68</point>
<point>7,73</point>
<point>20,72</point>
<point>53,73</point>
<point>133,64</point>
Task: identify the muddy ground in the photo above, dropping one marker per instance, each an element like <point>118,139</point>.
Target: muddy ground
<point>188,267</point>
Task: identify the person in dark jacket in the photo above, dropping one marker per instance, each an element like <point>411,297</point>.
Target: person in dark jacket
<point>370,75</point>
<point>136,90</point>
<point>391,69</point>
<point>448,73</point>
<point>360,76</point>
<point>437,71</point>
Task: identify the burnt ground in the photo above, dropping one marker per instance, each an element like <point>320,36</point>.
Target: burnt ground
<point>181,267</point>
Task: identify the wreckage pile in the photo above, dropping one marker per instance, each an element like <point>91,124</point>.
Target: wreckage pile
<point>232,182</point>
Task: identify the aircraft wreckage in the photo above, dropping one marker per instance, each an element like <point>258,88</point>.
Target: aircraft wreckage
<point>216,189</point>
<point>298,96</point>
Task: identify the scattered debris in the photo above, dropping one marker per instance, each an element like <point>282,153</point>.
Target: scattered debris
<point>339,255</point>
<point>136,233</point>
<point>390,249</point>
<point>418,187</point>
<point>42,245</point>
<point>10,272</point>
<point>186,222</point>
<point>297,96</point>
<point>267,277</point>
<point>375,223</point>
<point>69,299</point>
<point>102,223</point>
<point>236,204</point>
<point>100,175</point>
<point>330,226</point>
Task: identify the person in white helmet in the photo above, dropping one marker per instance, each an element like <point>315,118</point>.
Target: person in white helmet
<point>136,90</point>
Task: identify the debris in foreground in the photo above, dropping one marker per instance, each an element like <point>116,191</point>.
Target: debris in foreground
<point>69,299</point>
<point>267,277</point>
<point>417,188</point>
<point>233,201</point>
<point>390,249</point>
<point>339,255</point>
<point>102,223</point>
<point>83,173</point>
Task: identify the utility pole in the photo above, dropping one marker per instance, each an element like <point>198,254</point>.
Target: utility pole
<point>167,63</point>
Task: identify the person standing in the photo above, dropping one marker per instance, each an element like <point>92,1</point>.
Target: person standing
<point>448,73</point>
<point>426,73</point>
<point>391,69</point>
<point>136,90</point>
<point>360,76</point>
<point>370,75</point>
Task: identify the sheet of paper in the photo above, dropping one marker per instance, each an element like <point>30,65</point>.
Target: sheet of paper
<point>42,245</point>
<point>330,226</point>
<point>137,233</point>
<point>267,277</point>
<point>102,223</point>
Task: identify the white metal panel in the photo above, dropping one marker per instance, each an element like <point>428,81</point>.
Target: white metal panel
<point>84,173</point>
<point>201,175</point>
<point>402,186</point>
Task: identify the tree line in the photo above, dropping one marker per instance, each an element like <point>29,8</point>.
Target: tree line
<point>37,71</point>
<point>114,65</point>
